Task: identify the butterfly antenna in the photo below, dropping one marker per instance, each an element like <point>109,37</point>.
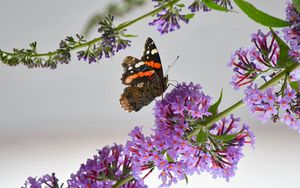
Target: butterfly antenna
<point>170,66</point>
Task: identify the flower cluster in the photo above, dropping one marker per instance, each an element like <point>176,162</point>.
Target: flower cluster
<point>46,181</point>
<point>168,20</point>
<point>112,40</point>
<point>292,33</point>
<point>175,151</point>
<point>272,105</point>
<point>105,169</point>
<point>198,5</point>
<point>224,3</point>
<point>263,60</point>
<point>256,61</point>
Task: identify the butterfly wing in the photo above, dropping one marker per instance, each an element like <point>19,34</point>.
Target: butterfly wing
<point>135,71</point>
<point>135,97</point>
<point>152,59</point>
<point>144,79</point>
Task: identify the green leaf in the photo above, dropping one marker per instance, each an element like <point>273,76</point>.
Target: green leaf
<point>224,138</point>
<point>211,4</point>
<point>129,35</point>
<point>283,53</point>
<point>180,5</point>
<point>169,158</point>
<point>189,16</point>
<point>294,85</point>
<point>296,4</point>
<point>213,109</point>
<point>260,16</point>
<point>201,137</point>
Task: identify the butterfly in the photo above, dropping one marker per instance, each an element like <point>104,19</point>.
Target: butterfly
<point>143,77</point>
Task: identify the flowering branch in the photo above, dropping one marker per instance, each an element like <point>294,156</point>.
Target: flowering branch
<point>113,39</point>
<point>240,103</point>
<point>32,59</point>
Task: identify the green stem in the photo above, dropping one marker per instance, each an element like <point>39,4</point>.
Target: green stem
<point>122,182</point>
<point>95,40</point>
<point>240,103</point>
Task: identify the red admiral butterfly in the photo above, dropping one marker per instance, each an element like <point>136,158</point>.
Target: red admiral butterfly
<point>144,78</point>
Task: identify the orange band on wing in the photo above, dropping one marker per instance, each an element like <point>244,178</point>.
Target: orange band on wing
<point>153,64</point>
<point>129,79</point>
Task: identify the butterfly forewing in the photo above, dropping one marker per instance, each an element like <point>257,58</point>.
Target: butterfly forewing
<point>151,57</point>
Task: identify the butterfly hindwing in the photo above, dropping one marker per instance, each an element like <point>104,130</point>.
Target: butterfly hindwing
<point>135,97</point>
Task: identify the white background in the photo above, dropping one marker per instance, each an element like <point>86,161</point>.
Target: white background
<point>53,120</point>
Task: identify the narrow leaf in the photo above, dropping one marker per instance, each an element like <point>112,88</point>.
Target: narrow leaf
<point>213,109</point>
<point>189,16</point>
<point>211,4</point>
<point>294,85</point>
<point>180,5</point>
<point>169,158</point>
<point>129,35</point>
<point>201,137</point>
<point>224,138</point>
<point>283,52</point>
<point>260,16</point>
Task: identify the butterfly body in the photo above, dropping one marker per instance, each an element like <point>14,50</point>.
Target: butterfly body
<point>143,77</point>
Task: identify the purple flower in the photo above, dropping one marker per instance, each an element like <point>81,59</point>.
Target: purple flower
<point>46,181</point>
<point>292,33</point>
<point>261,60</point>
<point>224,3</point>
<point>291,121</point>
<point>257,61</point>
<point>175,151</point>
<point>269,105</point>
<point>168,19</point>
<point>197,5</point>
<point>111,42</point>
<point>104,170</point>
<point>295,75</point>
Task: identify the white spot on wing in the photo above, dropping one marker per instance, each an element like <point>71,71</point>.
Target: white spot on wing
<point>139,64</point>
<point>154,51</point>
<point>129,68</point>
<point>140,84</point>
<point>148,52</point>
